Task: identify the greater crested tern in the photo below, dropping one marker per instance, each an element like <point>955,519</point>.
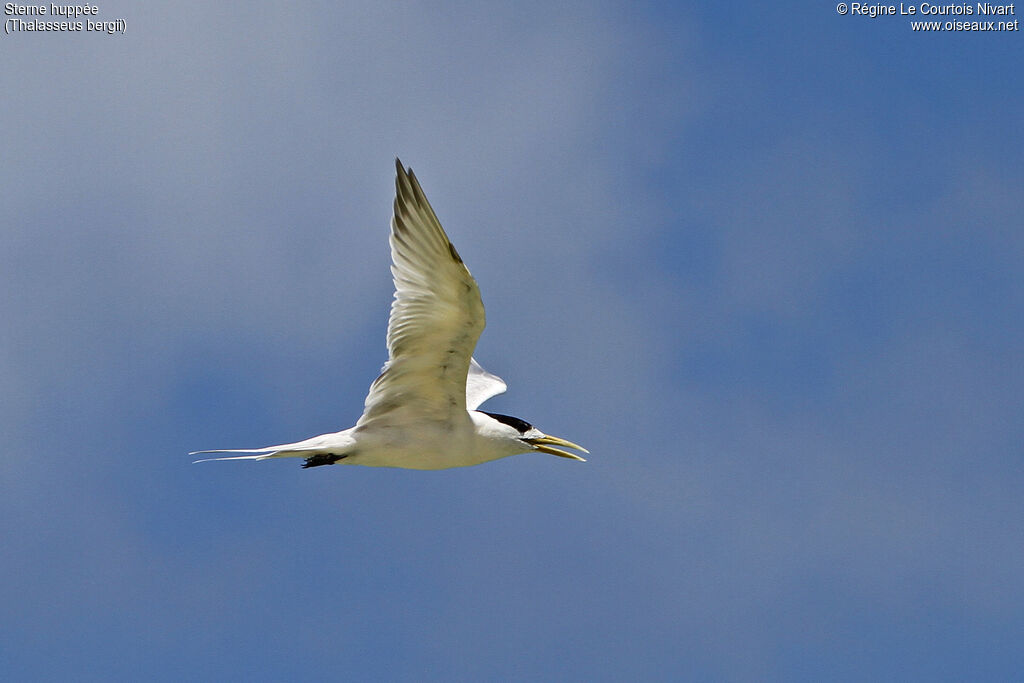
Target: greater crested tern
<point>421,412</point>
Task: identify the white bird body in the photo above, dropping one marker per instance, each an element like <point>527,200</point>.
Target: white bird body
<point>420,413</point>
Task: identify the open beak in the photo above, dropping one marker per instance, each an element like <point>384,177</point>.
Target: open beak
<point>545,444</point>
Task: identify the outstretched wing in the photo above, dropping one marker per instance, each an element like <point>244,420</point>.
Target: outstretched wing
<point>481,385</point>
<point>436,317</point>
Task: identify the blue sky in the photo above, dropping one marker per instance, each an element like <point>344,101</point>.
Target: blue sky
<point>764,261</point>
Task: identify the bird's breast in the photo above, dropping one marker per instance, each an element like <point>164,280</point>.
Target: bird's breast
<point>420,446</point>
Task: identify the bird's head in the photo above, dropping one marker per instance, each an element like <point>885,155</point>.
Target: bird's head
<point>526,438</point>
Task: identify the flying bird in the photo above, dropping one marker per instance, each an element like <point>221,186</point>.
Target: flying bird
<point>422,411</point>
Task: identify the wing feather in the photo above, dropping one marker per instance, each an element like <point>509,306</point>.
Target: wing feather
<point>481,385</point>
<point>436,316</point>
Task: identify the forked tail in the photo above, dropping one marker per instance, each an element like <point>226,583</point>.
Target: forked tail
<point>325,449</point>
<point>256,454</point>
